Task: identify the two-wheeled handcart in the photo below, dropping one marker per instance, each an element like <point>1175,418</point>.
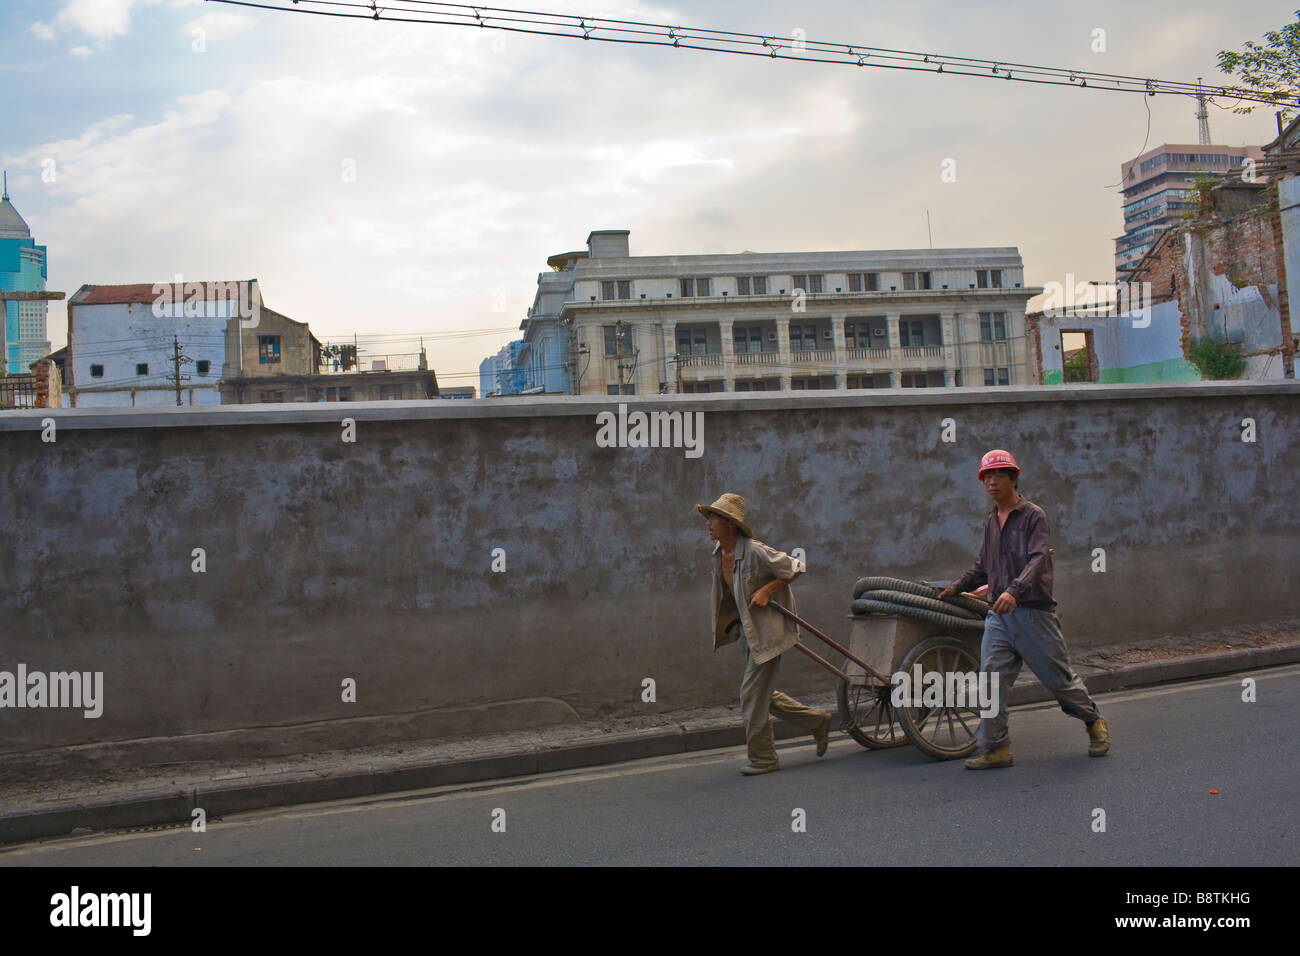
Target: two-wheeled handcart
<point>901,627</point>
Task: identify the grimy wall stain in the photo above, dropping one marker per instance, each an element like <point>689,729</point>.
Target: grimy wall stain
<point>372,560</point>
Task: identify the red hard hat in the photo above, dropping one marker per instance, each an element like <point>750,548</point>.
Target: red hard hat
<point>997,458</point>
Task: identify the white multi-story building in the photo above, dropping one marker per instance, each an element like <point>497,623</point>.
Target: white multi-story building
<point>606,322</point>
<point>122,341</point>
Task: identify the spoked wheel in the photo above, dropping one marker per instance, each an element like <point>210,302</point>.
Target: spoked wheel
<point>948,731</point>
<point>869,716</point>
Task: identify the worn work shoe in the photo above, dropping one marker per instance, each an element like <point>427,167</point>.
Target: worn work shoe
<point>1099,738</point>
<point>749,770</point>
<point>998,757</point>
<point>822,735</point>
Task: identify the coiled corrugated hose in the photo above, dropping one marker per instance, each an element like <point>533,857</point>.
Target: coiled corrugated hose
<point>920,601</point>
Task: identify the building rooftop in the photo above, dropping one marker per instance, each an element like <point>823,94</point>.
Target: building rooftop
<point>12,225</point>
<point>147,292</point>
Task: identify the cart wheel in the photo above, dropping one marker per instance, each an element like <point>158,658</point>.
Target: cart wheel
<point>943,733</point>
<point>869,717</point>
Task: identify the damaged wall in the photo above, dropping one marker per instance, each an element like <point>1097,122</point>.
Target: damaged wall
<point>1129,348</point>
<point>1222,273</point>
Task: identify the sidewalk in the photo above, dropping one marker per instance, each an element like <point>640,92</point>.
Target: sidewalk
<point>50,796</point>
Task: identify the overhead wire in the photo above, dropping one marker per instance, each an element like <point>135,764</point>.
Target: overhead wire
<point>646,33</point>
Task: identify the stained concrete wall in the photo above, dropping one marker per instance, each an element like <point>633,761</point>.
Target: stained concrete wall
<point>1130,348</point>
<point>372,560</point>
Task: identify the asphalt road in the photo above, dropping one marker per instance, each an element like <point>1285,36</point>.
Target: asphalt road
<point>1171,746</point>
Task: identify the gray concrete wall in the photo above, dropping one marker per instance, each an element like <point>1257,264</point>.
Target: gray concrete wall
<point>372,560</point>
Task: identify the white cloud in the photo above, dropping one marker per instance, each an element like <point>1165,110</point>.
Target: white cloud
<point>220,24</point>
<point>100,19</point>
<point>81,51</point>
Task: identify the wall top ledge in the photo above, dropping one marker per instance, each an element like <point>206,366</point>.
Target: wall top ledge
<point>27,420</point>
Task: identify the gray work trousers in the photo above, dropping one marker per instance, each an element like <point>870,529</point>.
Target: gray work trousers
<point>759,700</point>
<point>1034,638</point>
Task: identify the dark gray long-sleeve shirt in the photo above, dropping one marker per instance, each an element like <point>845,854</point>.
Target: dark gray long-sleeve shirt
<point>1015,558</point>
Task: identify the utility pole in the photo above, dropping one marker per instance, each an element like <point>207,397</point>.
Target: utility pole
<point>573,358</point>
<point>177,359</point>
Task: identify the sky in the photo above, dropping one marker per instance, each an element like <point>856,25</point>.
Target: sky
<point>393,180</point>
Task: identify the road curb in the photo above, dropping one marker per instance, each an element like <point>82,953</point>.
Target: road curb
<point>177,807</point>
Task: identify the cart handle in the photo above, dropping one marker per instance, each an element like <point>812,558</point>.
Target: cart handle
<point>785,611</point>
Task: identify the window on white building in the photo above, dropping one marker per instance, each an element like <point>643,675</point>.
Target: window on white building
<point>993,326</point>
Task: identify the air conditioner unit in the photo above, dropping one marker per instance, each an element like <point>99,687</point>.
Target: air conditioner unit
<point>771,336</point>
<point>880,332</point>
<point>828,334</point>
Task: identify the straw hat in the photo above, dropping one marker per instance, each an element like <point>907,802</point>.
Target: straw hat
<point>731,507</point>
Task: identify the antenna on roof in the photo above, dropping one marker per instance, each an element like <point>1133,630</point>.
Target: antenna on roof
<point>6,190</point>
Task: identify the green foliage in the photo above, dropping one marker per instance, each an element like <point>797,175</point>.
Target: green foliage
<point>1075,368</point>
<point>1273,68</point>
<point>1215,359</point>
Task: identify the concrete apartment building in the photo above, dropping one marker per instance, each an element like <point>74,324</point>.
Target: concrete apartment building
<point>121,341</point>
<point>604,322</point>
<point>1157,189</point>
<point>279,360</point>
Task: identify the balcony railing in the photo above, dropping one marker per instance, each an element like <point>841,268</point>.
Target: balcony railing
<point>919,351</point>
<point>757,358</point>
<point>813,355</point>
<point>870,353</point>
<point>712,358</point>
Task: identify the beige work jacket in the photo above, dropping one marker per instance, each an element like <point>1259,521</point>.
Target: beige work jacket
<point>770,634</point>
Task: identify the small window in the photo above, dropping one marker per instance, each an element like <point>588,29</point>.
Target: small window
<point>855,281</point>
<point>760,285</point>
<point>611,339</point>
<point>742,285</point>
<point>607,290</point>
<point>97,371</point>
<point>701,341</point>
<point>202,366</point>
<point>988,278</point>
<point>683,342</point>
<point>915,280</point>
<point>688,288</point>
<point>268,349</point>
<point>142,368</point>
<point>873,281</point>
<point>625,288</point>
<point>814,283</point>
<point>390,393</point>
<point>800,283</point>
<point>1004,376</point>
<point>990,377</point>
<point>703,287</point>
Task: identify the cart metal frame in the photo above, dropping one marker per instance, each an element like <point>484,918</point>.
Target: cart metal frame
<point>865,694</point>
